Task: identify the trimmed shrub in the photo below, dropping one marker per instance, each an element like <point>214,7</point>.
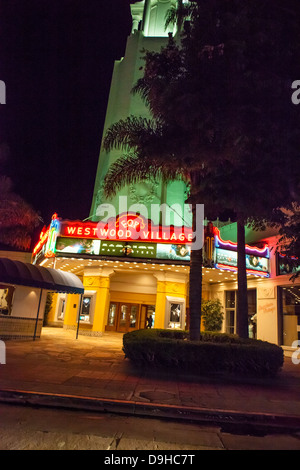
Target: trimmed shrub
<point>212,314</point>
<point>214,353</point>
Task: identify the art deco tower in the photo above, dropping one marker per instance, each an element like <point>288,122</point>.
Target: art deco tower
<point>148,32</point>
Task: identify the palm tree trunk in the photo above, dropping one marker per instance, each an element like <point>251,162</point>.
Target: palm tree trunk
<point>242,301</point>
<point>195,289</point>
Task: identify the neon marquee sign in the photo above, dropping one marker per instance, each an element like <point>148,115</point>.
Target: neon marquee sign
<point>47,240</point>
<point>127,227</point>
<point>251,250</point>
<point>257,259</point>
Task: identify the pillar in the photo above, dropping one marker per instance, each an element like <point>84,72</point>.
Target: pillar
<point>146,16</point>
<point>98,280</point>
<point>71,310</point>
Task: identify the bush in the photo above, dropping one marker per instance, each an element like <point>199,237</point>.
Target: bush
<point>212,314</point>
<point>214,353</point>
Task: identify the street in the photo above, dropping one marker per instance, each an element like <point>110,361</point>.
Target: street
<point>28,428</point>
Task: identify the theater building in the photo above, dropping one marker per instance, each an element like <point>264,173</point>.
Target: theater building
<point>127,278</point>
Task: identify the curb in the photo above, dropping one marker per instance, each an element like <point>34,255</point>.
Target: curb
<point>228,420</point>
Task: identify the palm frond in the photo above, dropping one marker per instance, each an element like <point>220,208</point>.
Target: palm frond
<point>176,15</point>
<point>131,169</point>
<point>129,133</point>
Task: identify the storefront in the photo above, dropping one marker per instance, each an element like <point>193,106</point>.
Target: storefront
<point>131,279</point>
<point>23,291</point>
<point>128,282</point>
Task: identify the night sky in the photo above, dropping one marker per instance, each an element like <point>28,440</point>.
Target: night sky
<point>56,58</point>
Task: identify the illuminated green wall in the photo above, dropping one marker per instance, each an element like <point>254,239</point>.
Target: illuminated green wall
<point>148,19</point>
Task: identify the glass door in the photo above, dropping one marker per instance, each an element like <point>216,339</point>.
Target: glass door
<point>112,317</point>
<point>230,305</point>
<point>128,317</point>
<point>123,317</point>
<point>230,312</point>
<point>289,298</point>
<point>133,317</point>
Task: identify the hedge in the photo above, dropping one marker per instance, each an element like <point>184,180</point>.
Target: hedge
<point>214,353</point>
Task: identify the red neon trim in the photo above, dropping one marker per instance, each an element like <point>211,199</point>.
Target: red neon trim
<point>42,240</point>
<point>228,242</point>
<point>235,269</point>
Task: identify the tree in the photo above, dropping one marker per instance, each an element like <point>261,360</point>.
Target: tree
<point>288,220</point>
<point>221,115</point>
<point>260,47</point>
<point>212,314</point>
<point>157,148</point>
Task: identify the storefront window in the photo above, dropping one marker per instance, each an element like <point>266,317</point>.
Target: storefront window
<point>230,309</point>
<point>6,297</point>
<point>175,315</point>
<point>86,309</point>
<point>61,309</point>
<point>290,314</point>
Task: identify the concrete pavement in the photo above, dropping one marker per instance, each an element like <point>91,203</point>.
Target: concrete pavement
<point>89,373</point>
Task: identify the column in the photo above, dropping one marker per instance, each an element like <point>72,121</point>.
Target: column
<point>171,287</point>
<point>98,280</point>
<point>146,16</point>
<point>71,311</point>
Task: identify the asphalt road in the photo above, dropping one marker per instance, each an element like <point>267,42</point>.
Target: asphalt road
<point>30,428</point>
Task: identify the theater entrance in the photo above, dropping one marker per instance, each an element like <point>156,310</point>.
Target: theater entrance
<point>124,317</point>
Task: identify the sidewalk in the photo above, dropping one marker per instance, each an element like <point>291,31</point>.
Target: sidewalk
<point>92,373</point>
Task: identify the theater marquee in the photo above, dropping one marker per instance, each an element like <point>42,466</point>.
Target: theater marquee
<point>128,235</point>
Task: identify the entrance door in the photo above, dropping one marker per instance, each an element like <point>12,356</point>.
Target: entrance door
<point>289,326</point>
<point>124,317</point>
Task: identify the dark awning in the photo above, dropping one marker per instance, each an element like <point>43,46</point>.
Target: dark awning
<point>25,274</point>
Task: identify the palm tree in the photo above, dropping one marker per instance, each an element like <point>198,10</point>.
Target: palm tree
<point>150,153</point>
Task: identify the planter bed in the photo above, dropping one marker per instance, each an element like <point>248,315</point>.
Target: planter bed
<point>215,353</point>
